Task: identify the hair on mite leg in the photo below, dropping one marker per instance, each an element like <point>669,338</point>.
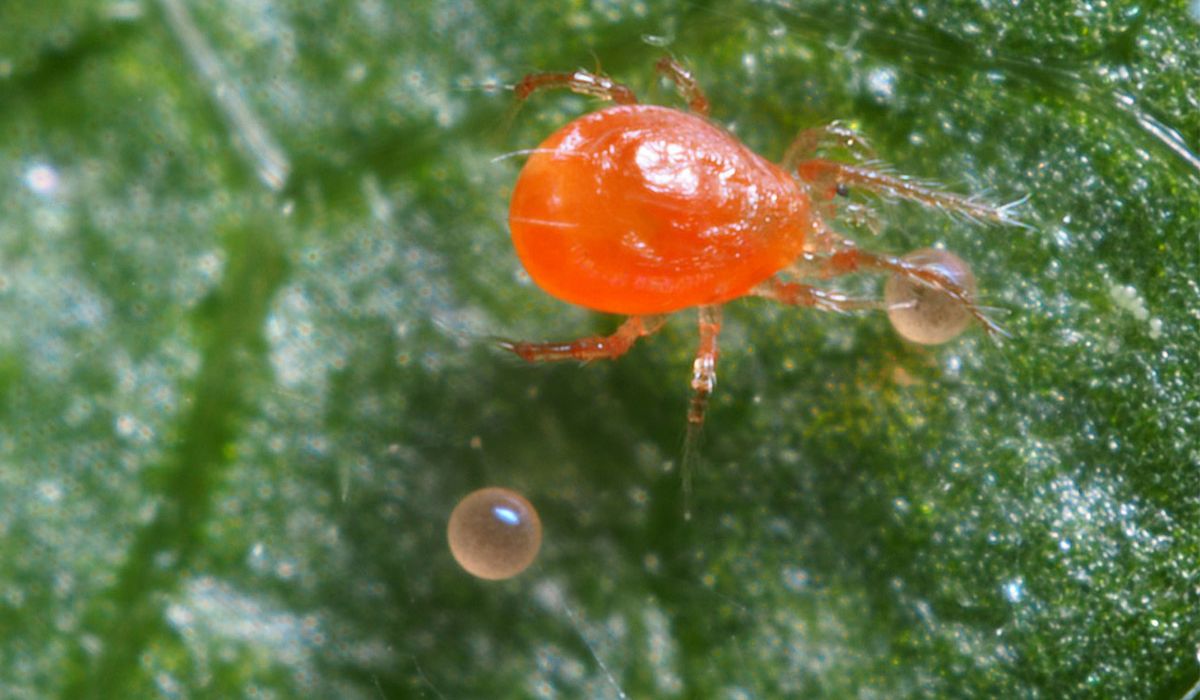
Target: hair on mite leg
<point>824,177</point>
<point>532,151</point>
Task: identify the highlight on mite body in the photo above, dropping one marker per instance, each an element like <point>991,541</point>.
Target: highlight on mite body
<point>642,211</point>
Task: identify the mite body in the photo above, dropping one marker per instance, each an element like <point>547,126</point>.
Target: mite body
<point>643,210</point>
<point>639,209</point>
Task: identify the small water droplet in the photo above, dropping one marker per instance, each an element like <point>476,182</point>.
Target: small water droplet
<point>42,179</point>
<point>881,84</point>
<point>1014,589</point>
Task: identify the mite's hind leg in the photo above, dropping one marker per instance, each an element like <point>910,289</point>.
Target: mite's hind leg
<point>810,142</point>
<point>827,178</point>
<point>704,378</point>
<point>593,347</point>
<point>796,294</point>
<point>580,81</point>
<point>685,82</point>
<point>850,259</point>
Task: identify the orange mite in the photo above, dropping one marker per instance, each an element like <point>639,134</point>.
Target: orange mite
<point>644,210</point>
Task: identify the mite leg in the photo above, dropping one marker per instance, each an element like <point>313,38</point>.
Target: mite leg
<point>685,82</point>
<point>594,347</point>
<point>795,294</point>
<point>813,142</point>
<point>580,81</point>
<point>850,259</point>
<point>810,142</point>
<point>827,178</point>
<point>704,378</point>
<point>704,367</point>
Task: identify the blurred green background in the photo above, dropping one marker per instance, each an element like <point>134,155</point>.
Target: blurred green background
<point>252,253</point>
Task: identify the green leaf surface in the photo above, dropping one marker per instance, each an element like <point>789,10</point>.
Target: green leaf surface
<point>253,256</point>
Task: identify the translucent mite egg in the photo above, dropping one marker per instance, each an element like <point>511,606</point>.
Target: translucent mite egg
<point>494,533</point>
<point>922,313</point>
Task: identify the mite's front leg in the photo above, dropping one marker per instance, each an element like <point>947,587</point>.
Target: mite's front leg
<point>580,81</point>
